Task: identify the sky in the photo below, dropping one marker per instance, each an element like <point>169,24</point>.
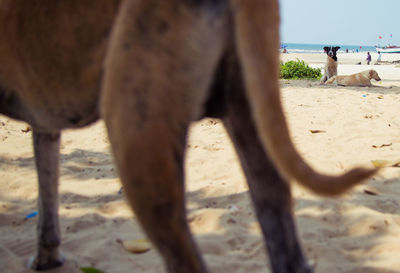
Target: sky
<point>342,22</point>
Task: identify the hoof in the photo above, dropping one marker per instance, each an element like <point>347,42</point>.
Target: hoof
<point>45,264</point>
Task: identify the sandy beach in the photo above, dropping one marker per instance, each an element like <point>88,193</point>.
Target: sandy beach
<point>356,233</point>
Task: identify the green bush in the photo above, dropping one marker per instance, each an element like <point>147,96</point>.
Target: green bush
<point>299,70</point>
<point>90,270</point>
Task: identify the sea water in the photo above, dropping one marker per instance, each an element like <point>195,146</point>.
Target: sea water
<point>319,48</point>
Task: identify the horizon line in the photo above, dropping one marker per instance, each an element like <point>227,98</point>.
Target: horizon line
<point>328,44</point>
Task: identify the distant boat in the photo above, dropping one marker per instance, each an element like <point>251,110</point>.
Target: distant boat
<point>388,49</point>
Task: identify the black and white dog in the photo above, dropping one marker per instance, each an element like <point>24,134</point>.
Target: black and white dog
<point>331,63</point>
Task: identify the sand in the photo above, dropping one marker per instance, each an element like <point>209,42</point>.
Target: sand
<point>359,232</point>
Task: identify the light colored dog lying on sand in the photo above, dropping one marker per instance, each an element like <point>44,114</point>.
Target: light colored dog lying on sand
<point>358,79</point>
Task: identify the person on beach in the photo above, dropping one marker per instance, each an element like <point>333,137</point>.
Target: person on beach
<point>379,58</point>
<point>368,58</point>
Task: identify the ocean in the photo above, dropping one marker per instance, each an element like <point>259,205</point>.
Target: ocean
<point>319,48</point>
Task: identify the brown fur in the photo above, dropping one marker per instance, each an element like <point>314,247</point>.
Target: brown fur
<point>168,63</point>
<point>330,69</point>
<point>358,79</point>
